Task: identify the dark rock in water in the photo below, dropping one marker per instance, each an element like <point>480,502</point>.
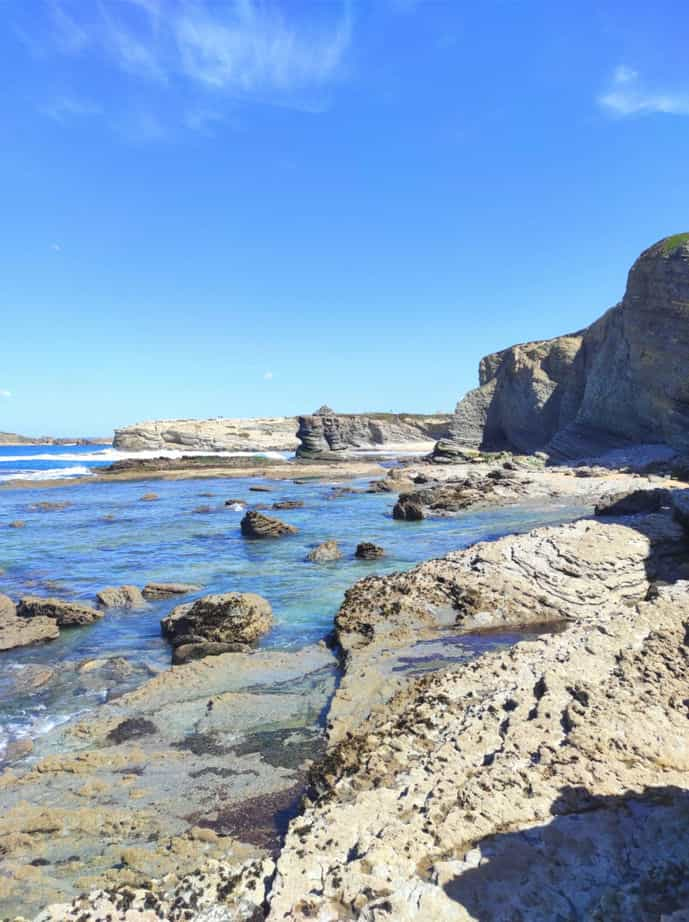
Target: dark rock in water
<point>188,652</point>
<point>379,486</point>
<point>289,504</point>
<point>122,597</point>
<point>256,525</point>
<point>20,632</point>
<point>235,502</point>
<point>202,510</point>
<point>226,618</point>
<point>18,523</point>
<point>130,729</point>
<point>149,497</point>
<point>407,509</point>
<point>46,506</point>
<point>634,502</point>
<point>66,614</point>
<point>328,550</point>
<point>259,488</point>
<point>168,590</point>
<point>369,551</point>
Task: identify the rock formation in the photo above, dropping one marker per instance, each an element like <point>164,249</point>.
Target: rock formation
<point>20,632</point>
<point>323,435</point>
<point>327,551</point>
<point>621,380</point>
<point>225,618</point>
<point>269,434</point>
<point>366,550</point>
<point>121,597</point>
<point>256,525</point>
<point>66,614</point>
<point>154,591</point>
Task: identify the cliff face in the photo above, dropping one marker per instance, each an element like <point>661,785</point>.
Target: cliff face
<point>331,432</point>
<point>621,380</point>
<point>270,434</point>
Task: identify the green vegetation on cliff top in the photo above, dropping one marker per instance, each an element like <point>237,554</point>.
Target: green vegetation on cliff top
<point>671,244</point>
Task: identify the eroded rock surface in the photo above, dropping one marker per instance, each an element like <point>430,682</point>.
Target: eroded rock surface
<point>325,552</point>
<point>20,632</point>
<point>324,435</point>
<point>256,525</point>
<point>548,780</point>
<point>268,434</point>
<point>122,597</point>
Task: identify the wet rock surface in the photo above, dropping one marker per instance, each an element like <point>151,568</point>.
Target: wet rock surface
<point>122,597</point>
<point>366,550</point>
<point>184,779</point>
<point>325,552</point>
<point>168,590</point>
<point>20,632</point>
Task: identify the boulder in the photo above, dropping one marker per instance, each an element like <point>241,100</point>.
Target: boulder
<point>66,614</point>
<point>20,632</point>
<point>633,502</point>
<point>226,618</point>
<point>328,550</point>
<point>256,525</point>
<point>260,488</point>
<point>17,523</point>
<point>235,502</point>
<point>168,590</point>
<point>121,597</point>
<point>366,550</point>
<point>289,504</point>
<point>149,497</point>
<point>407,509</point>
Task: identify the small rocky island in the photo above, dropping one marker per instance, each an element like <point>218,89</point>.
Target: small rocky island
<point>546,778</point>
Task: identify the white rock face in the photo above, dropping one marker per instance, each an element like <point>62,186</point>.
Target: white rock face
<point>276,433</point>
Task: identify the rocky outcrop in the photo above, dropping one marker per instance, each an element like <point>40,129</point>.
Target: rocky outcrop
<point>366,550</point>
<point>269,434</point>
<point>66,614</point>
<point>121,597</point>
<point>221,619</point>
<point>325,552</point>
<point>256,525</point>
<point>323,435</point>
<point>621,380</point>
<point>548,779</point>
<point>20,632</point>
<point>154,591</point>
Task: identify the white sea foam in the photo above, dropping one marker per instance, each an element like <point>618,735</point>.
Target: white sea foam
<point>52,473</point>
<point>108,455</point>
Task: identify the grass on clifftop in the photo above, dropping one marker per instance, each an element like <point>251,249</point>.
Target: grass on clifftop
<point>674,243</point>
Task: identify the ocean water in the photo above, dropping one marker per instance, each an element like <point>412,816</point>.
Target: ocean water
<point>108,536</point>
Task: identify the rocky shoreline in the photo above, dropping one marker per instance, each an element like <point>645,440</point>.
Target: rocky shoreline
<point>433,791</point>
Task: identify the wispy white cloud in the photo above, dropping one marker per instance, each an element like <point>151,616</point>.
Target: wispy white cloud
<point>268,376</point>
<point>248,50</point>
<point>628,94</point>
<point>5,394</point>
<point>64,107</point>
<point>56,247</point>
<point>257,50</point>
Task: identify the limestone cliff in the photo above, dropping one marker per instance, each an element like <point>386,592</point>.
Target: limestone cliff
<point>326,432</point>
<point>620,380</point>
<point>270,434</point>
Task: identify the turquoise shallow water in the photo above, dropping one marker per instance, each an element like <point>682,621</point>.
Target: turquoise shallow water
<point>109,536</point>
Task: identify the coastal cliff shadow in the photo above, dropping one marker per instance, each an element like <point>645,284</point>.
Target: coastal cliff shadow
<point>600,859</point>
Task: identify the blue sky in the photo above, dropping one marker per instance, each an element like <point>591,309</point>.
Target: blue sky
<point>251,208</point>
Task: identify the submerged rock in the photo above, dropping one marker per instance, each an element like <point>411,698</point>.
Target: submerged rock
<point>149,497</point>
<point>168,590</point>
<point>66,614</point>
<point>289,504</point>
<point>46,506</point>
<point>121,597</point>
<point>226,618</point>
<point>256,525</point>
<point>20,632</point>
<point>328,550</point>
<point>366,550</point>
<point>188,652</point>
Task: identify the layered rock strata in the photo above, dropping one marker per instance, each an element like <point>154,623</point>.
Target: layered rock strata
<point>621,380</point>
<point>269,434</point>
<point>330,434</point>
